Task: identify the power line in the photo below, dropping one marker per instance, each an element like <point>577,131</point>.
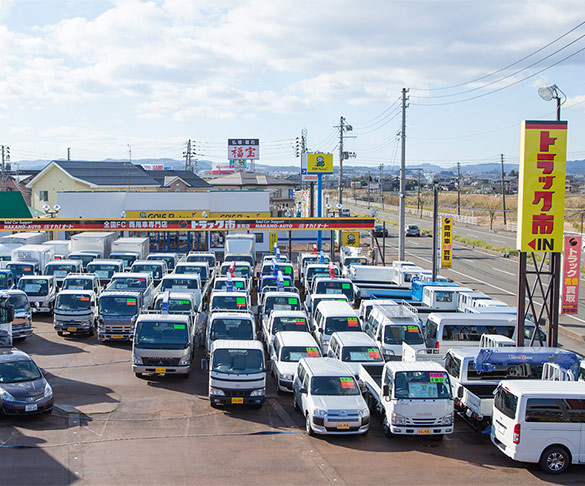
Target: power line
<point>396,102</point>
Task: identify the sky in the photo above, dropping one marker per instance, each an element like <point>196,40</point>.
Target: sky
<point>106,77</point>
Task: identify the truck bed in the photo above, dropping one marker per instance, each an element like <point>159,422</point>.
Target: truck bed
<point>371,376</point>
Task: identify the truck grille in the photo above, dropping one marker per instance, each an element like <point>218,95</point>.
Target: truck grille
<point>120,329</point>
<point>161,361</point>
<point>236,393</point>
<point>422,422</point>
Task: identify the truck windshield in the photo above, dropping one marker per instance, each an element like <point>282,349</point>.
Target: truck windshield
<point>209,259</point>
<point>127,259</point>
<point>339,324</point>
<point>335,287</point>
<point>273,282</point>
<point>229,302</point>
<point>360,353</point>
<point>421,385</point>
<point>399,333</point>
<point>168,259</point>
<point>192,269</point>
<point>164,334</point>
<point>103,270</point>
<point>20,269</point>
<point>72,302</point>
<point>506,402</point>
<point>334,385</point>
<point>355,261</point>
<point>138,283</point>
<point>281,303</point>
<point>85,259</point>
<point>118,306</point>
<point>5,279</point>
<point>19,301</point>
<point>292,354</point>
<point>239,271</point>
<point>314,271</point>
<point>78,284</point>
<point>231,329</point>
<point>508,371</point>
<point>60,270</point>
<point>239,258</point>
<point>238,361</point>
<point>222,284</point>
<point>471,332</point>
<point>289,324</point>
<point>175,305</point>
<point>180,284</point>
<point>18,371</point>
<point>154,270</point>
<point>35,287</point>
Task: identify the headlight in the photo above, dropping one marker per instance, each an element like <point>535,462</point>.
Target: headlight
<point>185,360</point>
<point>136,360</point>
<point>319,413</point>
<point>216,391</point>
<point>364,412</point>
<point>258,393</point>
<point>48,391</point>
<point>84,323</point>
<point>398,419</point>
<point>5,396</point>
<point>286,377</point>
<point>447,420</point>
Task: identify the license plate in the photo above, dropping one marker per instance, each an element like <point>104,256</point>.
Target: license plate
<point>160,370</point>
<point>343,426</point>
<point>117,336</point>
<point>30,408</point>
<point>237,401</point>
<point>424,431</point>
<point>72,329</point>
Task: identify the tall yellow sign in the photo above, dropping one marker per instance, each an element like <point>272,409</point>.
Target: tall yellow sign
<point>541,186</point>
<point>320,163</point>
<point>446,242</point>
<point>273,239</point>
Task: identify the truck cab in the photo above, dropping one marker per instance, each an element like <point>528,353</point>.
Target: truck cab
<point>22,322</point>
<point>82,281</point>
<point>61,268</point>
<point>312,304</point>
<point>240,269</point>
<point>229,301</point>
<point>366,307</point>
<point>199,256</point>
<point>237,373</point>
<point>305,259</point>
<point>41,291</point>
<point>240,257</point>
<point>238,284</point>
<point>156,268</point>
<point>283,320</point>
<point>354,348</point>
<point>19,269</point>
<point>315,270</point>
<point>198,268</point>
<point>288,301</point>
<point>171,259</point>
<point>230,325</point>
<point>176,303</point>
<point>6,280</point>
<point>141,282</point>
<point>467,300</point>
<point>333,316</point>
<point>190,283</point>
<point>104,269</point>
<point>162,344</point>
<point>328,285</point>
<point>75,312</point>
<point>117,314</point>
<point>84,257</point>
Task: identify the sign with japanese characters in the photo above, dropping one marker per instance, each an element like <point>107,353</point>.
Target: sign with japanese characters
<point>163,214</point>
<point>571,274</point>
<point>320,163</point>
<point>243,149</point>
<point>187,224</point>
<point>446,242</point>
<point>541,188</point>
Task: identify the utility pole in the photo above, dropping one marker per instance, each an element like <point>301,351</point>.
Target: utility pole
<point>381,185</point>
<point>5,159</point>
<point>402,218</point>
<point>503,190</point>
<point>369,182</point>
<point>129,152</point>
<point>68,153</point>
<point>341,155</point>
<point>187,155</point>
<point>458,189</point>
<point>418,201</point>
<point>435,227</point>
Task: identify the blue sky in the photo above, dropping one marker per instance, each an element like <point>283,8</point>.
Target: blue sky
<point>99,75</point>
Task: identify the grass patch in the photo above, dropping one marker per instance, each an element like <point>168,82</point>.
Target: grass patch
<point>487,246</point>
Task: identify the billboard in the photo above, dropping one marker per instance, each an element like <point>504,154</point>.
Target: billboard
<point>541,187</point>
<point>350,238</point>
<point>571,274</point>
<point>243,148</point>
<point>446,242</point>
<point>320,163</point>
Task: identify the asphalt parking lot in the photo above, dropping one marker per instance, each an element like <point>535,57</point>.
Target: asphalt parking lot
<point>110,427</point>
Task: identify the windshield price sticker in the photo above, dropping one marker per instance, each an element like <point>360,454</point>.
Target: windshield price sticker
<point>185,302</point>
<point>300,322</point>
<point>84,298</point>
<point>240,301</point>
<point>347,382</point>
<point>312,352</point>
<point>179,326</point>
<point>412,329</point>
<point>27,269</point>
<point>287,270</point>
<point>130,301</point>
<point>374,353</point>
<point>286,283</point>
<point>436,377</point>
<point>345,286</point>
<point>352,322</point>
<point>240,285</point>
<point>293,300</point>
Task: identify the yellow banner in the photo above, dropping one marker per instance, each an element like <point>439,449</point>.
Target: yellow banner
<point>446,242</point>
<point>225,215</point>
<point>320,163</point>
<point>273,240</point>
<point>350,238</point>
<point>541,186</point>
<point>164,214</point>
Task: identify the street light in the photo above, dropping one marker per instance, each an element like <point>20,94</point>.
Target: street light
<point>548,93</point>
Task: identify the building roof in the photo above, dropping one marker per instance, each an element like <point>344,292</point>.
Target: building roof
<point>12,205</point>
<point>103,173</point>
<point>250,179</point>
<point>167,177</point>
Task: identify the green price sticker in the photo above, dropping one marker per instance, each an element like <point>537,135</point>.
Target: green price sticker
<point>345,286</point>
<point>347,382</point>
<point>240,285</point>
<point>312,352</point>
<point>287,270</point>
<point>186,302</point>
<point>241,300</point>
<point>130,301</point>
<point>179,326</point>
<point>436,379</point>
<point>293,300</point>
<point>286,283</point>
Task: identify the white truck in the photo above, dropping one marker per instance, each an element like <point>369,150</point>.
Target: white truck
<point>93,241</point>
<point>41,291</point>
<point>377,281</point>
<point>130,249</point>
<point>241,243</point>
<point>60,247</point>
<point>237,373</point>
<point>117,314</point>
<point>37,255</point>
<point>75,312</point>
<point>412,398</point>
<point>25,238</point>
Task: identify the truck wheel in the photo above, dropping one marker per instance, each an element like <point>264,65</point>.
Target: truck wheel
<point>59,333</point>
<point>555,460</point>
<point>295,405</point>
<point>185,376</point>
<point>138,375</point>
<point>387,431</point>
<point>308,427</point>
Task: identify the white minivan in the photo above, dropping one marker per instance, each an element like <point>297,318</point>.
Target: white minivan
<point>540,422</point>
<point>333,316</point>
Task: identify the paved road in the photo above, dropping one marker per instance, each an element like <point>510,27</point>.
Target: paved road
<point>163,431</point>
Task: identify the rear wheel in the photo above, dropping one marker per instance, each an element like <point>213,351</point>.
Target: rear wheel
<point>555,460</point>
<point>295,404</point>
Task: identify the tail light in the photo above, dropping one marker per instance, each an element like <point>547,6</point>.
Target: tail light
<point>437,347</point>
<point>516,436</point>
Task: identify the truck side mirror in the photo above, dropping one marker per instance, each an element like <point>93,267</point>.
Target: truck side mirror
<point>460,392</point>
<point>204,364</point>
<point>385,390</point>
<point>302,390</point>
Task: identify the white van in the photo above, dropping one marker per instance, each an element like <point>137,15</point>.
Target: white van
<point>333,316</point>
<point>540,422</point>
<point>289,348</point>
<point>353,349</point>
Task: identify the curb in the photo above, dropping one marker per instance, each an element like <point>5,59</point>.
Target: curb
<point>571,334</point>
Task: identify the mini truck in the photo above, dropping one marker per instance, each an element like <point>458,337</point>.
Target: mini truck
<point>237,373</point>
<point>41,291</point>
<point>75,312</point>
<point>412,398</point>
